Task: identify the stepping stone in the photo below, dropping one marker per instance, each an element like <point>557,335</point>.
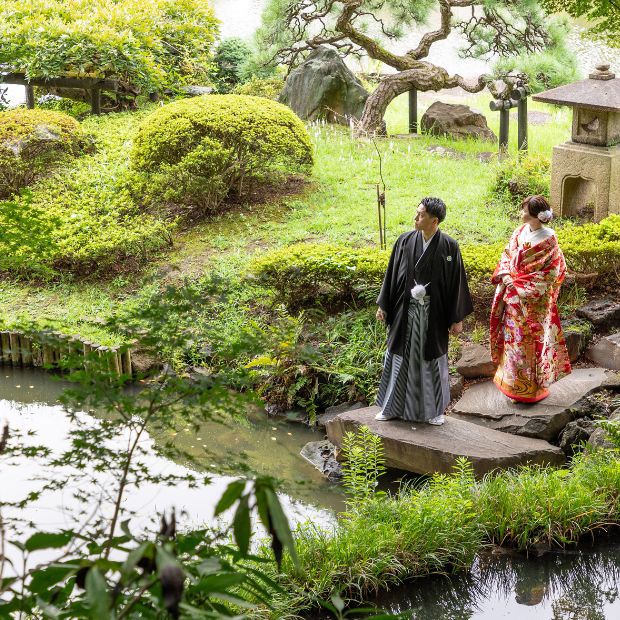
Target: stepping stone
<point>430,449</point>
<point>601,312</point>
<point>485,405</point>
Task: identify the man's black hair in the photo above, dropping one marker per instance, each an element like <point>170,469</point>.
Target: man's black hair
<point>435,207</point>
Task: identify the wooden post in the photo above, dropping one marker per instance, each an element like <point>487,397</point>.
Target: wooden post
<point>413,110</point>
<point>126,361</point>
<point>30,97</point>
<point>95,100</point>
<point>522,120</point>
<point>48,355</point>
<point>16,357</point>
<point>6,347</point>
<point>25,344</point>
<point>115,361</point>
<point>504,128</point>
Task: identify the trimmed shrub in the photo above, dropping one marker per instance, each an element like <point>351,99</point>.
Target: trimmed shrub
<point>270,87</point>
<point>316,273</point>
<point>520,177</point>
<point>196,151</point>
<point>230,57</point>
<point>31,141</point>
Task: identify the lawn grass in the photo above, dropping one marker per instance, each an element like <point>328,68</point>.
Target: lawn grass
<point>338,205</point>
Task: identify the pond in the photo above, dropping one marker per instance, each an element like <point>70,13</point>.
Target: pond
<point>571,585</point>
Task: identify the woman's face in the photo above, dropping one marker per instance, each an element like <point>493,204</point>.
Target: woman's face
<point>526,218</point>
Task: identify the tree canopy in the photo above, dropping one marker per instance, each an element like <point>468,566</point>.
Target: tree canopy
<point>488,29</point>
<point>144,45</point>
<point>603,15</point>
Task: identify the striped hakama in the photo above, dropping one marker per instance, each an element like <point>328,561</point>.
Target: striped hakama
<point>411,387</point>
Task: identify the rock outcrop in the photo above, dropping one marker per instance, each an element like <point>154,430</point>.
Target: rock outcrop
<point>323,87</point>
<point>456,121</point>
<point>606,352</point>
<point>475,362</point>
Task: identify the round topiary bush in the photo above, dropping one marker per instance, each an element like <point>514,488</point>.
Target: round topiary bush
<point>197,151</point>
<point>31,141</point>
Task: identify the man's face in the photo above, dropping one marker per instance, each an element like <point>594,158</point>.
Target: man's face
<point>424,221</point>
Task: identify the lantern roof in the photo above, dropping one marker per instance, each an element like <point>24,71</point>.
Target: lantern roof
<point>601,91</point>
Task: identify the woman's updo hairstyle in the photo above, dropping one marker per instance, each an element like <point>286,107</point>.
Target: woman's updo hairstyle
<point>537,206</point>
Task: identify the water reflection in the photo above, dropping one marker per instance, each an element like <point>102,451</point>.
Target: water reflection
<point>562,585</point>
<point>29,402</point>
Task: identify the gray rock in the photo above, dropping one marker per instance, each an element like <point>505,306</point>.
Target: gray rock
<point>606,352</point>
<point>426,449</point>
<point>485,405</point>
<point>331,412</point>
<point>445,151</point>
<point>456,121</point>
<point>322,454</point>
<point>475,362</point>
<point>456,386</point>
<point>196,91</point>
<point>574,433</point>
<point>601,312</point>
<point>577,335</point>
<point>324,87</point>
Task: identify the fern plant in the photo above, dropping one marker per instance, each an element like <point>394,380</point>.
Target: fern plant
<point>364,463</point>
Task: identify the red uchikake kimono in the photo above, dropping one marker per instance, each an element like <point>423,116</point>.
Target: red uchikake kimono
<point>526,336</point>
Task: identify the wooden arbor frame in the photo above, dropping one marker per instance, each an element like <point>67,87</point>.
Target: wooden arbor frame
<point>94,85</point>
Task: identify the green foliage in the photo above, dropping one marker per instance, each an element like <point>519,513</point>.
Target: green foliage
<point>553,66</point>
<point>591,248</point>
<point>612,429</point>
<point>85,218</point>
<point>230,58</point>
<point>32,142</point>
<point>604,15</point>
<point>205,147</point>
<point>522,176</point>
<point>321,274</point>
<point>364,463</point>
<point>268,87</point>
<point>147,45</point>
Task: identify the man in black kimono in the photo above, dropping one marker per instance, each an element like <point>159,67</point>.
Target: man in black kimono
<point>423,299</point>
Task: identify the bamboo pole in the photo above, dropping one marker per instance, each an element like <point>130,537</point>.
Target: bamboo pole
<point>25,343</point>
<point>126,361</point>
<point>16,357</point>
<point>5,347</point>
<point>115,362</point>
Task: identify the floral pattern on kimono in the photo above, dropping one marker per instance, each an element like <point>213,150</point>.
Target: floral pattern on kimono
<point>527,342</point>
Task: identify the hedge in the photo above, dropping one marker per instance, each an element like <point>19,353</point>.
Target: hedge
<point>197,151</point>
<point>310,274</point>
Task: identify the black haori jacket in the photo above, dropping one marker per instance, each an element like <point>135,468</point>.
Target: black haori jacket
<point>450,301</point>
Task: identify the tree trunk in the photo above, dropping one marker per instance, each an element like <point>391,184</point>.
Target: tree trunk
<point>425,77</point>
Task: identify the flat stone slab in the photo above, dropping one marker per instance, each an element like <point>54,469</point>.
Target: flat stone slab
<point>485,405</point>
<point>434,449</point>
<point>606,352</point>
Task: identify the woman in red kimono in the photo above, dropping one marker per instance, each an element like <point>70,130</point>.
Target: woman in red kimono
<point>527,342</point>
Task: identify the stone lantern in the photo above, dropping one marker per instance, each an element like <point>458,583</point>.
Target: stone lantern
<point>585,171</point>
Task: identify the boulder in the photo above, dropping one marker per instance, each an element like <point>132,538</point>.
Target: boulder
<point>456,121</point>
<point>574,433</point>
<point>323,87</point>
<point>475,362</point>
<point>606,352</point>
<point>484,404</point>
<point>425,449</point>
<point>577,335</point>
<point>322,454</point>
<point>601,312</point>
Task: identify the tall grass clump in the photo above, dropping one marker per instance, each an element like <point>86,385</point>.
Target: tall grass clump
<point>385,539</point>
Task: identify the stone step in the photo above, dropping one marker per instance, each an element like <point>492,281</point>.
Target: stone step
<point>485,405</point>
<point>425,449</point>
